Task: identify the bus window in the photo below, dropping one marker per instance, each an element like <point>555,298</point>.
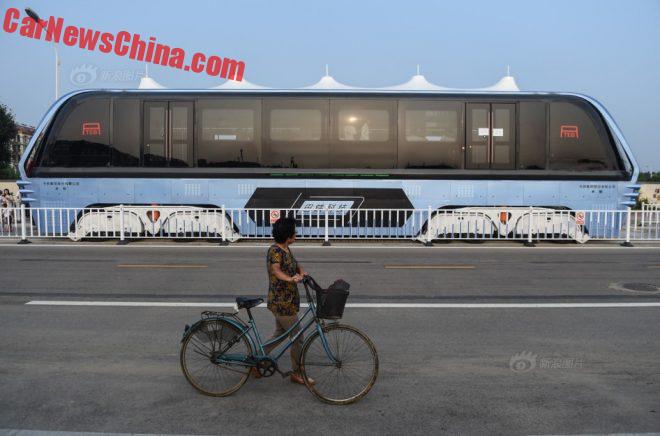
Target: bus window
<point>363,125</point>
<point>80,136</point>
<point>229,134</point>
<point>532,143</point>
<point>295,124</point>
<point>364,135</point>
<point>432,134</point>
<point>295,133</point>
<point>126,132</point>
<point>578,140</point>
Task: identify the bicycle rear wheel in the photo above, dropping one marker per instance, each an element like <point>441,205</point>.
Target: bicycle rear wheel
<point>202,345</point>
<point>351,376</point>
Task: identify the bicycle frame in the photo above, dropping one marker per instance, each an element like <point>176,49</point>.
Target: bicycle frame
<point>253,336</point>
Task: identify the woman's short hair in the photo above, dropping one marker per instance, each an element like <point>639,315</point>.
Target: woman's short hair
<point>283,229</point>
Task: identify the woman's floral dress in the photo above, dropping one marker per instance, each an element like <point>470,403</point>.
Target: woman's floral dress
<point>283,297</point>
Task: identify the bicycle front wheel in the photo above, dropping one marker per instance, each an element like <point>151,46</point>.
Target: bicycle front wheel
<point>201,347</point>
<point>348,373</point>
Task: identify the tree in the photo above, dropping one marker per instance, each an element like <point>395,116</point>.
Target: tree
<point>8,133</point>
<point>649,177</point>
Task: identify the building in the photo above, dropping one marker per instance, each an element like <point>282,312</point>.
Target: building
<point>650,192</point>
<point>23,137</point>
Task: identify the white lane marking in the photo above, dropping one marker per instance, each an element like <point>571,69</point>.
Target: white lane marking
<point>357,305</point>
<point>159,265</point>
<point>19,432</point>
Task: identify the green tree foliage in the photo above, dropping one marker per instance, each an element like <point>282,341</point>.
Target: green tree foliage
<point>649,177</point>
<point>8,133</point>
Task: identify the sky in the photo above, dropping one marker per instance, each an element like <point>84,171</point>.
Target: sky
<point>609,50</point>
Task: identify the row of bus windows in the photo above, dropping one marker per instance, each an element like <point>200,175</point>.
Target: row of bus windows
<point>329,133</point>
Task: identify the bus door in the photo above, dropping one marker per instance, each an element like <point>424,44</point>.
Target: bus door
<point>168,133</point>
<point>490,136</point>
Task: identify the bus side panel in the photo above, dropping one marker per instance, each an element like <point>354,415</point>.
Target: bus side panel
<point>234,193</point>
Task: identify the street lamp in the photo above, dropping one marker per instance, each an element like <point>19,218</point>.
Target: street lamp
<point>32,14</point>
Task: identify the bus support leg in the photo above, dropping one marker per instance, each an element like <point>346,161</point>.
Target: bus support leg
<point>627,242</point>
<point>530,242</point>
<point>122,238</point>
<point>326,237</point>
<point>223,230</point>
<point>24,239</point>
<point>429,237</point>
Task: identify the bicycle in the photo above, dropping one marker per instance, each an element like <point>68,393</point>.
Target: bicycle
<point>219,351</point>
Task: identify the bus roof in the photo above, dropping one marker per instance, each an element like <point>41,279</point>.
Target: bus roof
<point>312,91</point>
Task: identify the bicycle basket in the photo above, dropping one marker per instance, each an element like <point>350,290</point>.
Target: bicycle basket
<point>330,302</point>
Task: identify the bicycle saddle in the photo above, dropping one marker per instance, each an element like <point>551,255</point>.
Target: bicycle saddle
<point>246,302</point>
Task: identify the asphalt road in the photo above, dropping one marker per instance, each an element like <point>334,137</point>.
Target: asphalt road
<point>443,370</point>
<point>456,272</point>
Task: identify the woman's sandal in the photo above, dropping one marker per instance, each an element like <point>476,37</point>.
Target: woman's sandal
<point>295,378</point>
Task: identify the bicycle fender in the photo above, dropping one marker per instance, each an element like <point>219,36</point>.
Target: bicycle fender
<point>231,321</point>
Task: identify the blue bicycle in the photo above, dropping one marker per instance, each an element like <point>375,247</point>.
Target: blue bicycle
<point>219,350</point>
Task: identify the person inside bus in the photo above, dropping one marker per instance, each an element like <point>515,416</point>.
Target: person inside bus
<point>284,273</point>
<point>365,132</point>
<point>350,132</point>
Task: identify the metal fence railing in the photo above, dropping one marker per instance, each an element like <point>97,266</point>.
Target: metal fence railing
<point>424,225</point>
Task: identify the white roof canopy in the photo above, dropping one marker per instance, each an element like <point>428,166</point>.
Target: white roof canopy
<point>147,82</point>
<point>243,84</point>
<point>416,83</point>
<point>328,82</point>
<point>419,83</point>
<point>506,83</point>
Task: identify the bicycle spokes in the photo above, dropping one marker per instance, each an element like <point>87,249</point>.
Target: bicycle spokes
<point>212,358</point>
<point>343,369</point>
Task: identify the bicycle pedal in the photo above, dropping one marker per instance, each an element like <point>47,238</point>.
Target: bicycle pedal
<point>286,374</point>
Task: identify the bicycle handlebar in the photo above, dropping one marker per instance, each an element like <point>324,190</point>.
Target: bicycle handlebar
<point>308,281</point>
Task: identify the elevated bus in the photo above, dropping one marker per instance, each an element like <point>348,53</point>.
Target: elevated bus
<point>492,155</point>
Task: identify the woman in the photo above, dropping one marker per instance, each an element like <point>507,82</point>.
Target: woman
<point>6,196</point>
<point>7,217</point>
<point>284,273</point>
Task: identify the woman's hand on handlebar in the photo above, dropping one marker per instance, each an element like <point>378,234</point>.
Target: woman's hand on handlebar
<point>297,278</point>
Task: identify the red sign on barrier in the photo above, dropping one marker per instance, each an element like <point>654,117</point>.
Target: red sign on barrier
<point>274,216</point>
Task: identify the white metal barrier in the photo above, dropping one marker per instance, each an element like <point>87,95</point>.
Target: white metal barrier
<point>424,225</point>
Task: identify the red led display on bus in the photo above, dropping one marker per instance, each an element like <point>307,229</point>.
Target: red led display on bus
<point>91,129</point>
<point>569,131</point>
